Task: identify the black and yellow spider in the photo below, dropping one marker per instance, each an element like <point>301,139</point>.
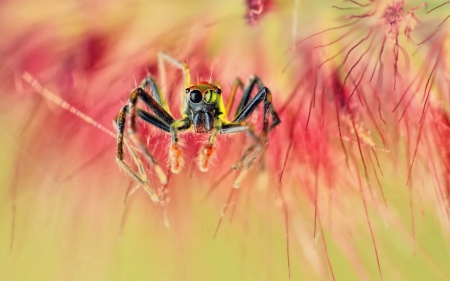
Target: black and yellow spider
<point>203,111</point>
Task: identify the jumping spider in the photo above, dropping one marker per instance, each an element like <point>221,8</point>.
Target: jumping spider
<point>203,111</point>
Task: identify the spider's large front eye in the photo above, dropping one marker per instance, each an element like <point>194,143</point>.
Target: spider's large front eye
<point>196,96</point>
<point>210,96</point>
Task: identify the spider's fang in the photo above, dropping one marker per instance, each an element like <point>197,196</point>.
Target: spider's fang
<point>203,122</point>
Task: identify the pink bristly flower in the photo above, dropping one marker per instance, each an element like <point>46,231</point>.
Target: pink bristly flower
<point>361,151</point>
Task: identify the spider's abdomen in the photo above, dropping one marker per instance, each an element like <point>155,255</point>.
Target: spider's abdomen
<point>203,122</point>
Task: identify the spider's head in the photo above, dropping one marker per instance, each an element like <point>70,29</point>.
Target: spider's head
<point>203,100</point>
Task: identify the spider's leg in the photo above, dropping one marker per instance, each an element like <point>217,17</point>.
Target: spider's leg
<point>183,67</point>
<point>264,95</point>
<point>230,100</point>
<point>152,119</point>
<point>142,179</point>
<point>238,124</point>
<point>162,120</point>
<point>250,154</point>
<point>253,81</point>
<point>162,56</point>
<point>150,83</point>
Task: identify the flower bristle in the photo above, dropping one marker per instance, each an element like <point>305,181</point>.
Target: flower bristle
<point>441,122</point>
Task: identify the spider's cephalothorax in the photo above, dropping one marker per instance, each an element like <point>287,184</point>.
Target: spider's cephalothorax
<point>203,110</point>
<point>203,105</point>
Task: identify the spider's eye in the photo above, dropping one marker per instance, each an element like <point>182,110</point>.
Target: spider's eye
<point>210,96</point>
<point>196,96</point>
<point>219,91</point>
<point>187,90</point>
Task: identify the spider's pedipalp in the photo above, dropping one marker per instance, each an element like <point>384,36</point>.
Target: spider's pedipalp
<point>175,160</point>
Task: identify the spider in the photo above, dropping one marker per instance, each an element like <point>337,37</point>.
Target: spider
<point>203,111</point>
